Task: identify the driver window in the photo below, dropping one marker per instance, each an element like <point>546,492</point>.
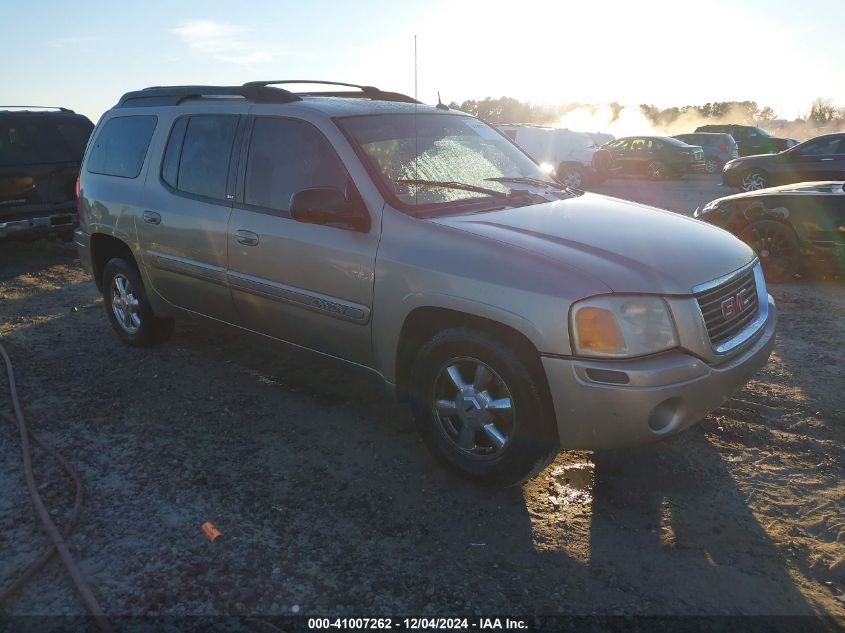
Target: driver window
<point>822,147</point>
<point>638,144</point>
<point>286,156</point>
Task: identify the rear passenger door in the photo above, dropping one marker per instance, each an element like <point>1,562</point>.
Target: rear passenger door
<point>183,230</point>
<point>821,159</point>
<point>309,284</point>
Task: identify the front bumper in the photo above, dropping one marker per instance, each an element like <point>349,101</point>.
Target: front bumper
<point>39,225</point>
<point>665,393</point>
<point>731,178</point>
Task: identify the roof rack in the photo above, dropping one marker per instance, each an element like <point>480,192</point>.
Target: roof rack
<point>35,107</point>
<point>366,92</point>
<point>258,91</point>
<point>174,95</point>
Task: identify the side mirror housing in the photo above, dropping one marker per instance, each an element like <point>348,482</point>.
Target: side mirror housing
<point>328,206</point>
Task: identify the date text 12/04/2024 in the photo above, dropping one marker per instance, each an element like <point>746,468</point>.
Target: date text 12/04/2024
<point>414,624</point>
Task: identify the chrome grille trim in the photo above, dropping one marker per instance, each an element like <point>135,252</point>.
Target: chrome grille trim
<point>726,336</point>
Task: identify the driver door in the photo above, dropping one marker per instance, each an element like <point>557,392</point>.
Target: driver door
<point>308,284</point>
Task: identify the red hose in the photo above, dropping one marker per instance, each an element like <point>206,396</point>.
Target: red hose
<point>58,541</point>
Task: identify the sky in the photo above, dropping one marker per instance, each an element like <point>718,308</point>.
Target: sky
<point>781,53</point>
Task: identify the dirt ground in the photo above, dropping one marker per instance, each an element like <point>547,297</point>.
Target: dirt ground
<point>329,504</point>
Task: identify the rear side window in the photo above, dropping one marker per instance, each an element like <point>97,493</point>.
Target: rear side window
<point>286,156</point>
<point>121,146</point>
<point>198,152</point>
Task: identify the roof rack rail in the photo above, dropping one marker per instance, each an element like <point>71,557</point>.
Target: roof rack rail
<point>174,95</point>
<point>36,107</point>
<point>367,92</point>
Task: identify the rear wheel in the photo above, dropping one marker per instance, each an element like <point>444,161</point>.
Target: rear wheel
<point>479,409</point>
<point>127,306</point>
<point>656,170</point>
<point>777,247</point>
<point>572,176</point>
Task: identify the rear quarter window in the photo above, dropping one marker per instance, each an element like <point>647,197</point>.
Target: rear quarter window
<point>121,146</point>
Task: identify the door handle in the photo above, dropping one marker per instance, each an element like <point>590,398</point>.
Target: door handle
<point>247,238</point>
<point>825,159</point>
<point>151,217</point>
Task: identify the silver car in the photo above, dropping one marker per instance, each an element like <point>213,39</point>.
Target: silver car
<point>515,315</point>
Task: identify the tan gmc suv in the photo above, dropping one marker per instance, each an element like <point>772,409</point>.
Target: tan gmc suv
<point>516,316</point>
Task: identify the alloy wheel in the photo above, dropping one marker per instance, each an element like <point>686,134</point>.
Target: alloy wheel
<point>125,304</point>
<point>711,166</point>
<point>753,181</point>
<point>473,407</point>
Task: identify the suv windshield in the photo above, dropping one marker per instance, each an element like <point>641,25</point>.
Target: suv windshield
<point>436,147</point>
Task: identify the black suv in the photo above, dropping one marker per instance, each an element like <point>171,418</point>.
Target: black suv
<point>40,153</point>
<point>750,139</point>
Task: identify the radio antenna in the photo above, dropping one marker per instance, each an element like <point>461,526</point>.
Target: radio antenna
<point>416,134</point>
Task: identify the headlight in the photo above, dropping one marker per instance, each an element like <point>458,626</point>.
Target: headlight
<point>717,206</point>
<point>619,326</point>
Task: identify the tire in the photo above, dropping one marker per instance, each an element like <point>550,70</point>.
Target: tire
<point>454,423</point>
<point>712,165</point>
<point>754,180</point>
<point>656,170</point>
<point>138,326</point>
<point>777,247</point>
<point>573,176</point>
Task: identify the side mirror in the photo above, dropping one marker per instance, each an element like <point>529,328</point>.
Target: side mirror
<point>328,206</point>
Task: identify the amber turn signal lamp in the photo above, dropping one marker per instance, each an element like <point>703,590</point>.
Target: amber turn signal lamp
<point>598,331</point>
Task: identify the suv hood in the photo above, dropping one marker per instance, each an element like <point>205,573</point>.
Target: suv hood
<point>629,247</point>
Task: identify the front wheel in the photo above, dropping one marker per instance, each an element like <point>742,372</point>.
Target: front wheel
<point>712,165</point>
<point>777,247</point>
<point>480,410</point>
<point>127,306</point>
<point>572,176</point>
<point>754,180</point>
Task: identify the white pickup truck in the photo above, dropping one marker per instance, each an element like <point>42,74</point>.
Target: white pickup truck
<point>575,156</point>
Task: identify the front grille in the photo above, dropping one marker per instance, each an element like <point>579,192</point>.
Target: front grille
<point>711,302</point>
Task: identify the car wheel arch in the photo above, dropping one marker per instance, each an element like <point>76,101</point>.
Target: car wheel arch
<point>105,247</point>
<point>424,322</point>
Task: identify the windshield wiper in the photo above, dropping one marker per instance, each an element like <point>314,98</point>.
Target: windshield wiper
<point>449,184</point>
<point>530,181</point>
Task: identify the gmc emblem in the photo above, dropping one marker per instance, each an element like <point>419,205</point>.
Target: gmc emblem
<point>736,304</point>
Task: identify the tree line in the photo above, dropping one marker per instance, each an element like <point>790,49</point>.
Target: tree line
<point>823,112</point>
